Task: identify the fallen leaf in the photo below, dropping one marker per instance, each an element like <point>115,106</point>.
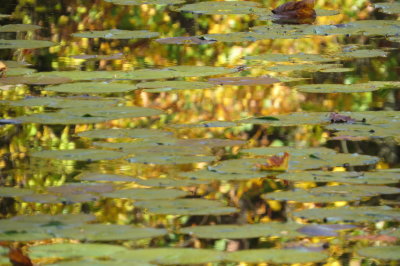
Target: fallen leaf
<point>275,163</point>
<point>296,9</point>
<point>17,258</point>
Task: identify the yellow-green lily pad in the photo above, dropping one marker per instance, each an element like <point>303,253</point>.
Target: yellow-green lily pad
<point>223,7</point>
<point>60,102</point>
<point>381,252</point>
<point>146,194</point>
<point>89,176</point>
<point>14,192</point>
<point>337,88</point>
<point>78,154</point>
<point>92,87</point>
<point>142,133</point>
<point>145,2</point>
<point>169,182</point>
<point>270,151</point>
<point>117,34</point>
<point>162,86</point>
<point>25,44</point>
<point>18,27</point>
<point>206,174</point>
<point>151,158</point>
<point>389,8</point>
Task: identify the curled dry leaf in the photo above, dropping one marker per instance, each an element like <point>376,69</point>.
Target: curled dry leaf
<point>17,258</point>
<point>275,163</point>
<point>338,118</point>
<point>296,9</point>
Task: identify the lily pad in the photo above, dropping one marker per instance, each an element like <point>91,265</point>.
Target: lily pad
<point>351,214</point>
<point>302,67</point>
<point>89,176</point>
<point>279,256</point>
<point>331,193</point>
<point>162,86</point>
<point>59,102</point>
<point>184,40</point>
<point>300,57</point>
<point>19,71</point>
<point>243,167</point>
<point>144,2</point>
<point>151,158</point>
<point>242,81</point>
<point>337,88</point>
<point>186,207</point>
<point>25,44</point>
<point>146,194</point>
<point>337,70</point>
<point>94,57</point>
<point>206,174</point>
<point>286,230</point>
<point>69,250</point>
<point>342,177</point>
<point>18,27</point>
<point>117,34</point>
<point>112,112</point>
<point>173,256</point>
<point>109,232</point>
<point>366,53</point>
<point>207,124</point>
<point>61,118</point>
<point>382,253</point>
<point>33,80</point>
<point>14,192</point>
<point>142,133</point>
<point>223,7</point>
<point>92,87</point>
<point>389,8</point>
<point>168,182</point>
<point>324,229</point>
<point>270,151</point>
<point>292,119</point>
<point>78,154</point>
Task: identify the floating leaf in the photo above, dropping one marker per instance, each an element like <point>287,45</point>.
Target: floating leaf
<point>143,133</point>
<point>61,118</point>
<point>168,182</point>
<point>223,7</point>
<point>269,151</point>
<point>184,40</point>
<point>143,2</point>
<point>293,119</point>
<point>59,102</point>
<point>286,230</point>
<point>25,44</point>
<point>162,86</point>
<point>367,53</point>
<point>300,57</point>
<point>14,192</point>
<point>351,214</point>
<point>81,188</point>
<point>92,87</point>
<point>109,232</point>
<point>389,8</point>
<point>78,154</point>
<point>214,175</point>
<point>302,67</point>
<point>342,177</point>
<point>337,88</point>
<point>146,194</point>
<point>112,112</point>
<point>382,253</point>
<point>88,176</point>
<point>117,34</point>
<point>279,256</point>
<point>69,250</point>
<point>19,71</point>
<point>207,124</point>
<point>29,80</point>
<point>337,70</point>
<point>186,207</point>
<point>98,57</point>
<point>324,229</point>
<point>18,27</point>
<point>151,158</point>
<point>242,81</point>
<point>172,256</point>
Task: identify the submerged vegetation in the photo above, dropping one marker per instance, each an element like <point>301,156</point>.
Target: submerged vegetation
<point>168,132</point>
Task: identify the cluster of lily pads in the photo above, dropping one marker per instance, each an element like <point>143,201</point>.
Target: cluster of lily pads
<point>172,195</point>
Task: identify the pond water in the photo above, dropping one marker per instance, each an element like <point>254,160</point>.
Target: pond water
<point>139,132</point>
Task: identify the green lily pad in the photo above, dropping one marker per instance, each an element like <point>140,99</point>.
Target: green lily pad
<point>144,2</point>
<point>151,158</point>
<point>279,256</point>
<point>207,124</point>
<point>78,154</point>
<point>33,80</point>
<point>59,102</point>
<point>184,40</point>
<point>112,112</point>
<point>173,256</point>
<point>302,67</point>
<point>389,8</point>
<point>300,57</point>
<point>342,177</point>
<point>244,167</point>
<point>382,253</point>
<point>366,53</point>
<point>81,188</point>
<point>89,176</point>
<point>292,119</point>
<point>168,182</point>
<point>15,64</point>
<point>95,57</point>
<point>117,34</point>
<point>142,133</point>
<point>186,207</point>
<point>18,27</point>
<point>337,70</point>
<point>92,87</point>
<point>19,71</point>
<point>141,74</point>
<point>146,194</point>
<point>69,250</point>
<point>61,118</point>
<point>243,81</point>
<point>223,7</point>
<point>109,232</point>
<point>337,88</point>
<point>99,262</point>
<point>162,86</point>
<point>351,214</point>
<point>206,174</point>
<point>366,130</point>
<point>64,199</point>
<point>270,151</point>
<point>25,44</point>
<point>14,192</point>
<point>331,193</point>
<point>286,230</point>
